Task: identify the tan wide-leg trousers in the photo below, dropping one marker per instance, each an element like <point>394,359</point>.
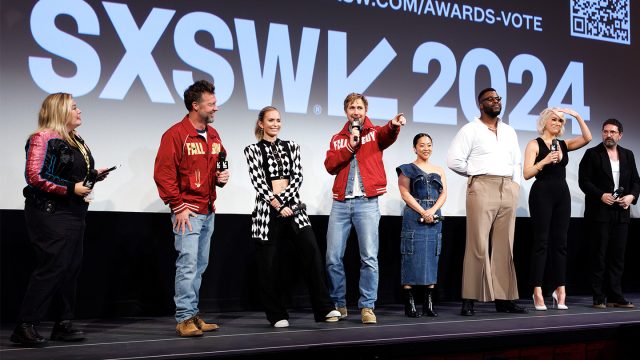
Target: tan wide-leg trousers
<point>491,213</point>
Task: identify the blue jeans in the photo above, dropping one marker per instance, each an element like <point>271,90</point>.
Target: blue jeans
<point>193,257</point>
<point>364,214</point>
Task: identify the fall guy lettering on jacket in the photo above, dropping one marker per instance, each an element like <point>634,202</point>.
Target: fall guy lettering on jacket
<point>342,143</point>
<point>197,148</point>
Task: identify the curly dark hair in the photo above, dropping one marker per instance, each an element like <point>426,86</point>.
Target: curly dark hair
<point>195,91</point>
<point>613,122</point>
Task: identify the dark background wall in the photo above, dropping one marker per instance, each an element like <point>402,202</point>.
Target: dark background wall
<point>129,259</point>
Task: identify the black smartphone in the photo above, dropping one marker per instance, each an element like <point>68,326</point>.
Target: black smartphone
<point>109,169</point>
<point>104,173</point>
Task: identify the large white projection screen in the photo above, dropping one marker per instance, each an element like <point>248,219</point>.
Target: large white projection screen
<point>128,62</point>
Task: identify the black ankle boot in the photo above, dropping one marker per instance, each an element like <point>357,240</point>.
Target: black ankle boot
<point>467,307</point>
<point>409,304</point>
<point>427,307</point>
<point>64,331</point>
<point>509,306</point>
<point>27,335</point>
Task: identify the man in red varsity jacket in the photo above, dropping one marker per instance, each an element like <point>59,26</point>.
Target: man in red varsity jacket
<point>186,175</point>
<point>355,158</point>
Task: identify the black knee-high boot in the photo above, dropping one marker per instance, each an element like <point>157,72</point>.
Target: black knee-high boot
<point>409,304</point>
<point>427,307</point>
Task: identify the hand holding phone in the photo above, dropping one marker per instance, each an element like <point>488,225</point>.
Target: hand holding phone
<point>104,174</point>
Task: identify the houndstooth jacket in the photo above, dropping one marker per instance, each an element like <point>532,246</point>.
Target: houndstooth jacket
<point>256,155</point>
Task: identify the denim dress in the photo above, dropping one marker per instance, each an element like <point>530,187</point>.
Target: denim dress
<point>420,243</point>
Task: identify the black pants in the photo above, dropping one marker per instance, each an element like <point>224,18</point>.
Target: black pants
<point>550,208</point>
<point>283,233</point>
<point>57,242</point>
<point>607,246</point>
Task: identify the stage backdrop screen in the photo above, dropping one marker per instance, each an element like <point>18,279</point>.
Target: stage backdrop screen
<point>127,64</point>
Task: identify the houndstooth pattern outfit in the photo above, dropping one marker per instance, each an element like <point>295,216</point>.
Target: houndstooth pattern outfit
<point>266,164</point>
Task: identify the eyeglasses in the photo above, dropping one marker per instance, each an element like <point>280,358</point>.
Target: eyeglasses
<point>492,99</point>
<point>612,132</point>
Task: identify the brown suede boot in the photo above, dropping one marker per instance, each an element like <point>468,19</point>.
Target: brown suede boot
<point>203,325</point>
<point>188,328</point>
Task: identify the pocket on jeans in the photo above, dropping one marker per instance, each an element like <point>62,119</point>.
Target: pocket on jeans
<point>406,242</point>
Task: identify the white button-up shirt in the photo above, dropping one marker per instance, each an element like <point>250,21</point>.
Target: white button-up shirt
<point>476,150</point>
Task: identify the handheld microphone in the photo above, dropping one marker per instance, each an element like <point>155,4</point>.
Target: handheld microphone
<point>616,194</point>
<point>357,126</point>
<point>554,147</point>
<point>91,178</point>
<point>436,219</point>
<point>222,163</point>
<point>297,208</point>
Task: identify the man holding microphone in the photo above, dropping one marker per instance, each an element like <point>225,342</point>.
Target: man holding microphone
<point>355,158</point>
<point>609,178</point>
<point>190,164</point>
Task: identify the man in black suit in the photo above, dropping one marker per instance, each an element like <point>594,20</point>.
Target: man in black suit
<point>609,178</point>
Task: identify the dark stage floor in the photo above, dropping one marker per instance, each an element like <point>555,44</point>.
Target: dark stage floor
<point>248,335</point>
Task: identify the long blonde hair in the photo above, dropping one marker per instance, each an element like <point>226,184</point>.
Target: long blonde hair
<point>54,115</point>
<point>258,131</point>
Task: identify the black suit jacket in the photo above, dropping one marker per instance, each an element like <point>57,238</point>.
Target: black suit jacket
<point>596,178</point>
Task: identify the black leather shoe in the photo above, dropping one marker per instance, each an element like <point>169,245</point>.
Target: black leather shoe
<point>599,302</point>
<point>64,331</point>
<point>621,303</point>
<point>467,308</point>
<point>27,335</point>
<point>509,306</point>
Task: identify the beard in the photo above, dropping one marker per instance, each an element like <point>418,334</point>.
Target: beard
<point>610,143</point>
<point>491,112</point>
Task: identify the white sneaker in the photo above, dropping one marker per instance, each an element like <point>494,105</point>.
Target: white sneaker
<point>281,324</point>
<point>332,316</point>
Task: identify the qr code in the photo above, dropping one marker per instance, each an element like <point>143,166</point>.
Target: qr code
<point>606,20</point>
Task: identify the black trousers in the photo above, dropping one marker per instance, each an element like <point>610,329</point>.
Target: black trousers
<point>607,247</point>
<point>285,237</point>
<point>57,242</point>
<point>550,208</point>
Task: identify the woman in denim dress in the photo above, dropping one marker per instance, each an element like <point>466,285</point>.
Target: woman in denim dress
<point>423,188</point>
